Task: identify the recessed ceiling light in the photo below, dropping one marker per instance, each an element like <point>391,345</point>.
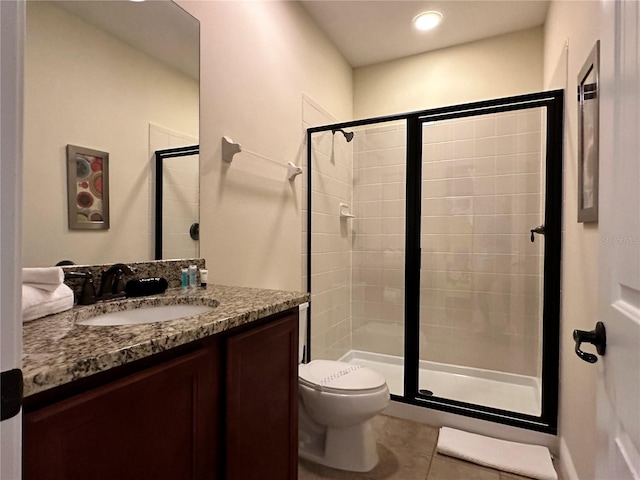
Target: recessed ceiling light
<point>427,20</point>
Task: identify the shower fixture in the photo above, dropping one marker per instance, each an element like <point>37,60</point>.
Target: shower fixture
<point>347,135</point>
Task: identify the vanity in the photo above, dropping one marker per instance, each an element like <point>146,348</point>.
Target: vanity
<point>213,395</point>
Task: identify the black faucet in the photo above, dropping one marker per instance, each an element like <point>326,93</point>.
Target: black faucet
<point>88,292</point>
<point>112,281</point>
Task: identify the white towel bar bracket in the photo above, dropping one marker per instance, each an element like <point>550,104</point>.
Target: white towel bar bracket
<point>230,148</point>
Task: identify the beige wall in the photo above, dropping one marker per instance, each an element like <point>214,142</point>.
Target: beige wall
<point>579,25</point>
<point>496,67</point>
<point>86,88</point>
<point>257,59</point>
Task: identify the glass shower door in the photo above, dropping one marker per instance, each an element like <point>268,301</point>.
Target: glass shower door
<point>482,269</point>
<point>420,258</point>
<point>378,250</point>
<point>357,252</point>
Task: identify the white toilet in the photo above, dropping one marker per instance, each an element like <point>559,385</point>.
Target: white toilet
<point>337,401</point>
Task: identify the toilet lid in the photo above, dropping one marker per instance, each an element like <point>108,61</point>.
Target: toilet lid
<point>342,376</point>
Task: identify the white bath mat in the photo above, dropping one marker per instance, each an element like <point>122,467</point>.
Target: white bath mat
<point>527,460</point>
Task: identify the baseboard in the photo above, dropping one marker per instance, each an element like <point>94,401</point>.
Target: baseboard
<point>568,470</point>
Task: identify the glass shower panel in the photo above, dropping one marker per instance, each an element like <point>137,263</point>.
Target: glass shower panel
<point>481,278</point>
<point>331,164</point>
<point>358,207</point>
<point>379,204</point>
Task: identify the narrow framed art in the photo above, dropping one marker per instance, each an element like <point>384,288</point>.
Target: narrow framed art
<point>88,188</point>
<point>588,136</point>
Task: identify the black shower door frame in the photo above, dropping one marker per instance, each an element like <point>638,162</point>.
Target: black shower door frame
<point>553,103</point>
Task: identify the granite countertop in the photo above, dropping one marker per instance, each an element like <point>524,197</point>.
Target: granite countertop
<point>57,351</point>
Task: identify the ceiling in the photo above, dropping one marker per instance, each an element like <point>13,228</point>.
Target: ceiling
<point>365,31</point>
<point>161,29</point>
<point>374,31</point>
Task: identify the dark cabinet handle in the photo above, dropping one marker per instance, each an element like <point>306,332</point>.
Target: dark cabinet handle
<point>540,230</point>
<point>595,337</point>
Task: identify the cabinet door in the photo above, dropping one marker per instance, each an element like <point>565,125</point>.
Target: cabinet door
<point>156,424</point>
<point>262,402</point>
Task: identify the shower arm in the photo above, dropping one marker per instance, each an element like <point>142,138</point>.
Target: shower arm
<point>347,135</point>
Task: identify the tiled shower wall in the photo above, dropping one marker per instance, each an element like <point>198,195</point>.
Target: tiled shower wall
<point>332,184</point>
<point>378,238</point>
<point>180,206</point>
<point>161,138</point>
<point>481,275</point>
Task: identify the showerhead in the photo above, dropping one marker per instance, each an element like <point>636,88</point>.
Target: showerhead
<point>347,135</point>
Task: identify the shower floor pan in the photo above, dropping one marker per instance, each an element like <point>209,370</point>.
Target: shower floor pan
<point>505,391</point>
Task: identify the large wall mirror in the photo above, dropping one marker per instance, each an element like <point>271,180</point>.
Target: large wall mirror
<point>114,76</point>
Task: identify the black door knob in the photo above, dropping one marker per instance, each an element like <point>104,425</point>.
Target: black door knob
<point>597,337</point>
<point>194,231</point>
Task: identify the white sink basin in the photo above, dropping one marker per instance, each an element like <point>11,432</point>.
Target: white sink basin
<point>138,316</point>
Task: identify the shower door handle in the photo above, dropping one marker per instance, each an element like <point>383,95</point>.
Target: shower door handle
<point>540,230</point>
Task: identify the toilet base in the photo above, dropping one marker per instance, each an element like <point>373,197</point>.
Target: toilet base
<point>349,448</point>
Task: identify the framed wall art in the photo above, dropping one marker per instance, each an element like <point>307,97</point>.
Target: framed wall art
<point>588,136</point>
<point>88,188</point>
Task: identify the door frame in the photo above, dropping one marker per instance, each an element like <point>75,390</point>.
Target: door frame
<point>13,14</point>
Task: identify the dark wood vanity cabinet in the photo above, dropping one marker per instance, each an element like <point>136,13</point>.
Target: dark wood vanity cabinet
<point>156,423</point>
<point>262,403</point>
<point>226,409</point>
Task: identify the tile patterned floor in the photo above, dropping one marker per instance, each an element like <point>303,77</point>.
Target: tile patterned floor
<point>407,452</point>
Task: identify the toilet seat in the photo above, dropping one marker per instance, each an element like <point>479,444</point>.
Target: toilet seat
<point>339,377</point>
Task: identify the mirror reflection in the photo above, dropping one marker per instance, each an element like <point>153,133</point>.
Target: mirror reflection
<point>177,206</point>
<point>114,76</point>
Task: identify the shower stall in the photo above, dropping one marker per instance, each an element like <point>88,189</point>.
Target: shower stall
<point>433,254</point>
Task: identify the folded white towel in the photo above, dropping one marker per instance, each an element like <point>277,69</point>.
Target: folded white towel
<point>532,461</point>
<point>47,278</point>
<point>37,302</point>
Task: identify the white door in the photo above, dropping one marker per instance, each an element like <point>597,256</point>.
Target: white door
<point>618,396</point>
<point>11,54</point>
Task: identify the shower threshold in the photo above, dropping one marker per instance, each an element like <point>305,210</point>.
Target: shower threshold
<point>504,391</point>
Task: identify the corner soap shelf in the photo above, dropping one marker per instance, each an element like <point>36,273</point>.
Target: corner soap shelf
<point>345,211</point>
